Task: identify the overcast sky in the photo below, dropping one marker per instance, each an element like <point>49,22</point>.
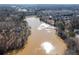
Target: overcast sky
<point>39,1</point>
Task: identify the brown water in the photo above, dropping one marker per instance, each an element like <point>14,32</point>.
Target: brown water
<point>43,39</point>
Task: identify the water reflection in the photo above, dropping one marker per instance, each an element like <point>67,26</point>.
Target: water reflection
<point>48,47</point>
<point>43,26</point>
<point>47,27</point>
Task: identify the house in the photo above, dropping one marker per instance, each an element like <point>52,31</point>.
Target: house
<point>76,33</point>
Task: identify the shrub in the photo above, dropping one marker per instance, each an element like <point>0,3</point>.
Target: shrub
<point>71,34</point>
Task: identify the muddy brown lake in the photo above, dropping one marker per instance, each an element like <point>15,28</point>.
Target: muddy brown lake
<point>43,39</point>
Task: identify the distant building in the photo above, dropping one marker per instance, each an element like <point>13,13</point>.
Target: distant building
<point>76,33</point>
